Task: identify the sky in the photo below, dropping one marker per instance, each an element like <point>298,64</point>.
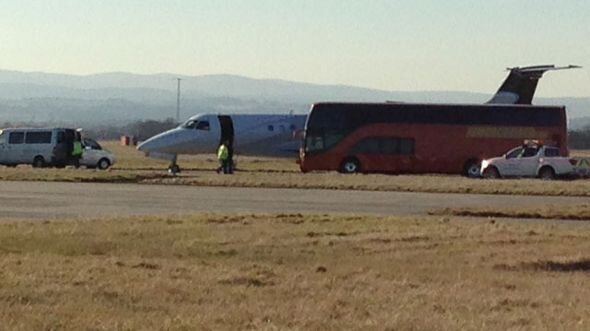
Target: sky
<point>419,45</point>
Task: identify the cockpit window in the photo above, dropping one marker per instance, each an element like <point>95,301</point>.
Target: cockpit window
<point>198,125</point>
<point>202,125</point>
<point>189,124</point>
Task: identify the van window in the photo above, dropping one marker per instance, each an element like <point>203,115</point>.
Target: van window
<point>16,138</point>
<point>42,137</point>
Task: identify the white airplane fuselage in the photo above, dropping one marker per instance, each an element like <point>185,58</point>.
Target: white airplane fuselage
<point>249,134</point>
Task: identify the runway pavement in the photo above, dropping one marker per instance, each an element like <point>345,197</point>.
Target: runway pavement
<point>52,200</point>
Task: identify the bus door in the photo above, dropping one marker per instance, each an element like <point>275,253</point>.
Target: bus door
<point>227,132</point>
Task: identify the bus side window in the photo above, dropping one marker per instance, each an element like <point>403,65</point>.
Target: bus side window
<point>391,146</point>
<point>407,146</point>
<point>16,138</point>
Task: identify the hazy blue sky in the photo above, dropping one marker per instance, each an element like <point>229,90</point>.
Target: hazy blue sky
<point>387,44</point>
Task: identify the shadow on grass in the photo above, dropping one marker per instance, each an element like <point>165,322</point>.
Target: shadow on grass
<point>582,265</point>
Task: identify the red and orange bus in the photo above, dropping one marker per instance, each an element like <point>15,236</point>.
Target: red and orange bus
<point>422,138</point>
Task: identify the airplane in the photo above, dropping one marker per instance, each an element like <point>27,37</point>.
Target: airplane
<point>275,135</point>
<point>247,134</point>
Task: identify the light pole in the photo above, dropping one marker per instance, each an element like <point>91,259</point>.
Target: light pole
<point>178,101</point>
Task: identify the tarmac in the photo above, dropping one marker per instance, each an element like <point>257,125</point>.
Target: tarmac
<point>58,200</point>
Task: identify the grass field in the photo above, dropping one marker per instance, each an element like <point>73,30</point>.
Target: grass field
<point>133,167</point>
<point>212,272</point>
<point>579,212</point>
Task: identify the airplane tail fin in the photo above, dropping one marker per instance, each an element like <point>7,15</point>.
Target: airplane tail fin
<point>521,83</point>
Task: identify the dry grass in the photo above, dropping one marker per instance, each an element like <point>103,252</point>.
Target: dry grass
<point>561,212</point>
<point>293,272</point>
<point>133,167</point>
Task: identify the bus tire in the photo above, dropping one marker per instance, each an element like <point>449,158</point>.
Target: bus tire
<point>491,172</point>
<point>350,165</point>
<point>38,162</point>
<point>547,173</point>
<point>472,168</point>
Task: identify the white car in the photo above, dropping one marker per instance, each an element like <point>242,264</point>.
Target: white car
<point>94,156</point>
<point>529,161</point>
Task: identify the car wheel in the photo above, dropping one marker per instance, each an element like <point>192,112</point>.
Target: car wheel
<point>103,164</point>
<point>472,169</point>
<point>491,173</point>
<point>547,173</point>
<point>350,166</point>
<point>38,162</point>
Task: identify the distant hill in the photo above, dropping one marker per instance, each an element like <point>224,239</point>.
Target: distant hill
<point>113,98</point>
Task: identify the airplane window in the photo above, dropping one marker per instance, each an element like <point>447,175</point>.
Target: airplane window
<point>202,125</point>
<point>271,128</point>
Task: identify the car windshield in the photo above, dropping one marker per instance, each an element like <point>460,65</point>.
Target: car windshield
<point>514,153</point>
<point>91,143</point>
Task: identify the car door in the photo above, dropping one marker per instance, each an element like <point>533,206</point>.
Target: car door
<point>509,166</point>
<point>528,162</point>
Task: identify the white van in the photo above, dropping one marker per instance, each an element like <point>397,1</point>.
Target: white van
<point>38,147</point>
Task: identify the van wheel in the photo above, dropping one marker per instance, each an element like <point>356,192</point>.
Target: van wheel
<point>38,162</point>
<point>350,166</point>
<point>547,173</point>
<point>472,169</point>
<point>103,164</point>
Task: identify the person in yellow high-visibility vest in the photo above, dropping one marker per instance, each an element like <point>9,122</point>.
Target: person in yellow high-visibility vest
<point>77,150</point>
<point>223,157</point>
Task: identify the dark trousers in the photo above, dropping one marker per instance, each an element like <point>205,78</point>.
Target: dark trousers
<point>76,160</point>
<point>225,166</point>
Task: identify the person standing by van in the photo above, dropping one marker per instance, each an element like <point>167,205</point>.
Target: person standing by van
<point>77,150</point>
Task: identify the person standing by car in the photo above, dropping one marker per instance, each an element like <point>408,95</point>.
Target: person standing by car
<point>77,150</point>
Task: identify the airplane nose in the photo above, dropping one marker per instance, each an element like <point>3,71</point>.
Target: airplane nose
<point>144,146</point>
<point>153,144</point>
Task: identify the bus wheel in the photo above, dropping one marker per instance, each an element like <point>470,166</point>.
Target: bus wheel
<point>38,162</point>
<point>350,166</point>
<point>546,173</point>
<point>472,169</point>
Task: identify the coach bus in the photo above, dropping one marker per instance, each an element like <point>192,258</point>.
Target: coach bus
<point>422,138</point>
